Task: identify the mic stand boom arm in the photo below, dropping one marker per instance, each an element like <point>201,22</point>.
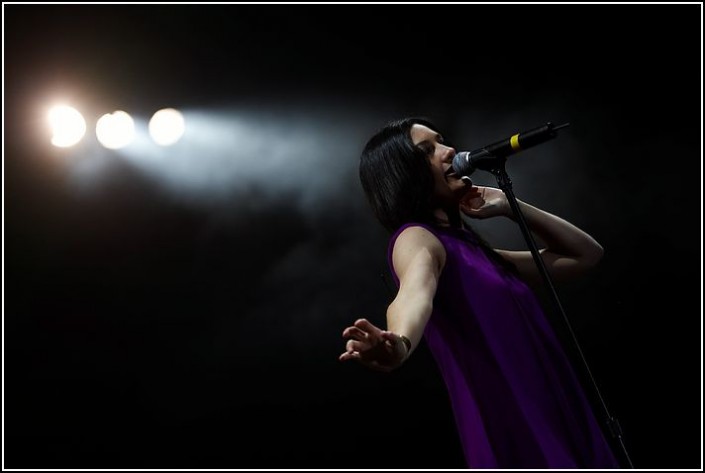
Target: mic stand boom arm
<point>505,183</point>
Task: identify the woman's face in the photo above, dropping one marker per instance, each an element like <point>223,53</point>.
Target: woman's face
<point>448,188</point>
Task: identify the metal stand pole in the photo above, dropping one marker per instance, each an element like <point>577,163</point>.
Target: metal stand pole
<point>505,184</point>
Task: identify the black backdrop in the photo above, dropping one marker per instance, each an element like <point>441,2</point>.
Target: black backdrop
<point>145,329</point>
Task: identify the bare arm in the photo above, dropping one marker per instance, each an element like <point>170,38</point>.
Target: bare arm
<point>418,258</point>
<point>569,251</point>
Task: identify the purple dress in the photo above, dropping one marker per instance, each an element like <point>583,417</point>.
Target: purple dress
<point>516,400</point>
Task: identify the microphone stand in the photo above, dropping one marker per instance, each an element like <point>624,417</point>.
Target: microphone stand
<point>505,183</point>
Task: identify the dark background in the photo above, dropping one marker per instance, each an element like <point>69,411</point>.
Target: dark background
<point>150,323</point>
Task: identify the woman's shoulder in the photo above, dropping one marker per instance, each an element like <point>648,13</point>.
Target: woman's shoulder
<point>416,234</point>
<point>447,237</point>
<point>411,239</point>
<point>413,229</point>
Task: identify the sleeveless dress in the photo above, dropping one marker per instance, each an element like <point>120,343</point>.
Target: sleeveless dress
<point>516,400</point>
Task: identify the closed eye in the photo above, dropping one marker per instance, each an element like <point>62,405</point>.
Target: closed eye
<point>429,147</point>
<point>426,146</point>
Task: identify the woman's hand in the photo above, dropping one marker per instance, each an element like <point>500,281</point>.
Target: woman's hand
<point>485,202</point>
<point>373,347</point>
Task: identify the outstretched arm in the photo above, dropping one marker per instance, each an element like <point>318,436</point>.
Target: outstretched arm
<point>569,251</point>
<point>418,258</point>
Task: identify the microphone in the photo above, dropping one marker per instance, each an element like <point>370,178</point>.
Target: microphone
<point>489,157</point>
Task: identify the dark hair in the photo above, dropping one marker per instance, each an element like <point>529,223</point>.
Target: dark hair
<point>398,183</point>
<point>396,177</point>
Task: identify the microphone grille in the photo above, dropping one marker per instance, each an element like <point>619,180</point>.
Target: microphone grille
<point>461,164</point>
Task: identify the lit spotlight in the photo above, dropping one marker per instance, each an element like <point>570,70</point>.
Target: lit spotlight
<point>167,126</point>
<point>67,126</point>
<point>115,130</point>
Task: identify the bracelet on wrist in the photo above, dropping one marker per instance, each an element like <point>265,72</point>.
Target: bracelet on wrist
<point>407,343</point>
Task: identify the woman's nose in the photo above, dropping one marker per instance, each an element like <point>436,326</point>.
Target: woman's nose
<point>449,154</point>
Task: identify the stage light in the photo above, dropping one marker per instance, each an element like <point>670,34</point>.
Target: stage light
<point>115,130</point>
<point>167,126</point>
<point>67,125</point>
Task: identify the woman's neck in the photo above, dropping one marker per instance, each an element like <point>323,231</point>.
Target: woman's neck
<point>443,218</point>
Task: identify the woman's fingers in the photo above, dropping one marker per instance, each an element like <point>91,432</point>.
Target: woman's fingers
<point>362,338</point>
<point>353,345</point>
<point>365,325</point>
<point>349,356</point>
<point>354,332</point>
